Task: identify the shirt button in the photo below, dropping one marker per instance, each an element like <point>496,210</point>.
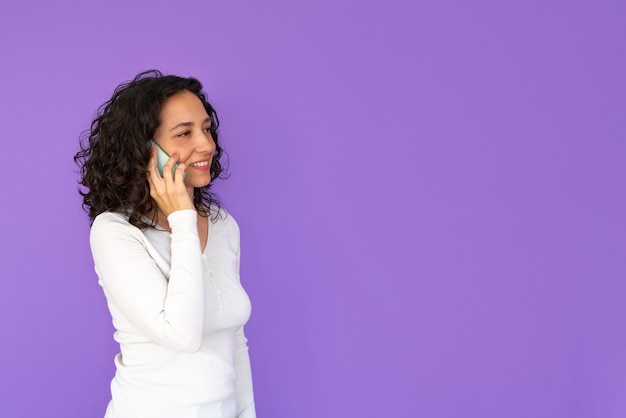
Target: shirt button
<point>212,274</point>
<point>204,256</point>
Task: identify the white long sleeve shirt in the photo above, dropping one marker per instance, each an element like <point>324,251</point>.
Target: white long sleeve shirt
<point>179,313</point>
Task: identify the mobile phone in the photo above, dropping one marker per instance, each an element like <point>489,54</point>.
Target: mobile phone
<point>162,158</point>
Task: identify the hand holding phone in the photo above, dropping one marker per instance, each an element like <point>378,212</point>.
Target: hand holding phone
<point>162,158</point>
<point>168,195</point>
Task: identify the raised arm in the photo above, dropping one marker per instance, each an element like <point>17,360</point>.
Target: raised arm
<point>169,312</point>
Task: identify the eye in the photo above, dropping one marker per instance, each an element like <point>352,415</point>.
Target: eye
<point>207,129</point>
<point>183,134</point>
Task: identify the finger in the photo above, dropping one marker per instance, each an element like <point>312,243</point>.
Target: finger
<point>180,173</point>
<point>168,169</point>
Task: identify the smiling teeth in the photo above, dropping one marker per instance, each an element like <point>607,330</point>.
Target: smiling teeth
<point>200,164</point>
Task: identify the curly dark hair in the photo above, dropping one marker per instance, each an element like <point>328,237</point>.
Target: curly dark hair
<point>115,151</point>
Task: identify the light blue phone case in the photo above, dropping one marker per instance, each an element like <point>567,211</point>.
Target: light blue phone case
<point>162,158</point>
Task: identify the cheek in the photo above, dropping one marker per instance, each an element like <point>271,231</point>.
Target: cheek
<point>211,142</point>
<point>183,152</point>
<point>185,155</point>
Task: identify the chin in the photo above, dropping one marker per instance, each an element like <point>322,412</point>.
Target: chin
<point>198,183</point>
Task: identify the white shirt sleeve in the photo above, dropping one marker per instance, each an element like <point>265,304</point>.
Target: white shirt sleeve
<point>169,312</point>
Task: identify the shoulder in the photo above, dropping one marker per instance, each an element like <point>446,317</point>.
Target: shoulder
<point>112,225</point>
<point>224,220</point>
<point>107,219</point>
<point>224,230</point>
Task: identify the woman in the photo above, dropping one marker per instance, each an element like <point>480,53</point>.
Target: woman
<point>166,254</point>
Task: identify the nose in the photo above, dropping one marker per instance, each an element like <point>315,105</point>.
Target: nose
<point>205,142</point>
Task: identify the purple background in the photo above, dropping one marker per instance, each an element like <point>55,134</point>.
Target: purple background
<point>431,196</point>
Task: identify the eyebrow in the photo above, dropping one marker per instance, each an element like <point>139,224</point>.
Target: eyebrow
<point>189,124</point>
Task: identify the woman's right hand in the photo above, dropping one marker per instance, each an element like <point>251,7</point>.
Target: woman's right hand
<point>169,192</point>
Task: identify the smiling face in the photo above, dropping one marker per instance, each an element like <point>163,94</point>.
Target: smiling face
<point>185,132</point>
